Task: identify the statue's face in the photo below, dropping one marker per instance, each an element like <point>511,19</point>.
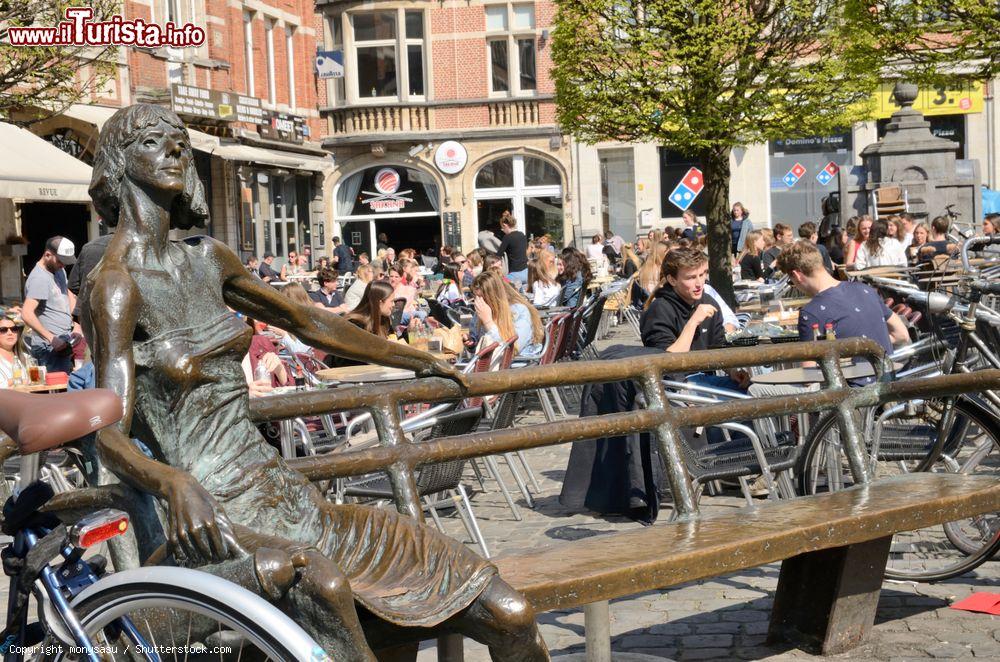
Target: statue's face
<point>159,158</point>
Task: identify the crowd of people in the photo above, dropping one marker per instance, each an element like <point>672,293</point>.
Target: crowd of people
<point>503,284</point>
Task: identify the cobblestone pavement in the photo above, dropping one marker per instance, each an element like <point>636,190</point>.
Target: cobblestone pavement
<point>724,618</point>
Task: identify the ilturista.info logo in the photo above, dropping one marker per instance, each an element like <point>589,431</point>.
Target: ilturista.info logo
<point>80,30</point>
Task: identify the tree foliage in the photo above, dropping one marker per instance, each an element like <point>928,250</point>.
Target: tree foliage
<point>704,76</point>
<point>940,40</point>
<point>49,77</point>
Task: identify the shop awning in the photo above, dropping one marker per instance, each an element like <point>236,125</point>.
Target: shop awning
<point>204,142</point>
<point>33,169</point>
<point>272,157</point>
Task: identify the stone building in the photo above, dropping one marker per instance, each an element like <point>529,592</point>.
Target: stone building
<point>249,98</point>
<point>444,118</point>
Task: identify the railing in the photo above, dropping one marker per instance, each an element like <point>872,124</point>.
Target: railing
<point>381,119</point>
<point>514,113</point>
<point>399,458</point>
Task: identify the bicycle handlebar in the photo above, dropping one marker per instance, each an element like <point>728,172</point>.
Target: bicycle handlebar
<point>976,242</point>
<point>986,287</point>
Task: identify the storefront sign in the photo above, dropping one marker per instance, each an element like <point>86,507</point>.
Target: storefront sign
<point>330,64</point>
<point>452,228</point>
<point>389,198</point>
<point>687,189</point>
<point>284,127</point>
<point>962,98</point>
<point>451,157</point>
<point>826,175</point>
<point>810,144</point>
<point>216,105</point>
<point>793,176</point>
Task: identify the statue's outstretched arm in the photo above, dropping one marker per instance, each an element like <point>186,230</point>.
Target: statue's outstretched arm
<point>318,327</point>
<point>197,525</point>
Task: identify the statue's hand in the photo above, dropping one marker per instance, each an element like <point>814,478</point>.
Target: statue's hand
<point>441,368</point>
<point>198,527</point>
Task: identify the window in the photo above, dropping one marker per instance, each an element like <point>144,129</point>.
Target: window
<point>510,42</point>
<point>529,187</point>
<point>389,52</point>
<point>290,58</point>
<point>248,55</point>
<point>269,39</point>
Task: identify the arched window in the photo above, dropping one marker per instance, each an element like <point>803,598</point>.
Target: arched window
<point>527,186</point>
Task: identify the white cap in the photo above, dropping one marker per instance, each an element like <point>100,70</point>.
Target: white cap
<point>63,249</point>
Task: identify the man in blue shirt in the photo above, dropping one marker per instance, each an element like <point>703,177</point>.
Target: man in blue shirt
<point>854,309</point>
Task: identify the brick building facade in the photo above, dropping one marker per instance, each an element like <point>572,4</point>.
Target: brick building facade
<point>450,105</point>
<point>266,176</point>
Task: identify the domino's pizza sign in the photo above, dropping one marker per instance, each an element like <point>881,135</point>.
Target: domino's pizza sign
<point>793,176</point>
<point>826,175</point>
<point>687,189</point>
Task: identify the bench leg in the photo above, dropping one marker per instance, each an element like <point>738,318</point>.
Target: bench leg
<point>597,625</point>
<point>826,600</point>
<point>451,648</point>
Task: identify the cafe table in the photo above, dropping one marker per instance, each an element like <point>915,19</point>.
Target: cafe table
<point>802,376</point>
<point>39,388</point>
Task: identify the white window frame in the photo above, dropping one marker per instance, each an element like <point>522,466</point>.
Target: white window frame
<point>519,192</point>
<point>290,57</point>
<point>248,18</point>
<point>400,44</point>
<point>336,88</point>
<point>512,34</point>
<point>272,92</point>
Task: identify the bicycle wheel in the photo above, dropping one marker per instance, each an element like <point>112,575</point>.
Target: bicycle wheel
<point>186,615</point>
<point>895,444</point>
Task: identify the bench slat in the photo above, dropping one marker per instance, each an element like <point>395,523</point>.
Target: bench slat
<point>625,563</point>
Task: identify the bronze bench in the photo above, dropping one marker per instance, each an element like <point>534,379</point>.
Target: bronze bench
<point>849,531</point>
<point>833,549</point>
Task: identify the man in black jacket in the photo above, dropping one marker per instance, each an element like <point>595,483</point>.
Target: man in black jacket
<point>682,317</point>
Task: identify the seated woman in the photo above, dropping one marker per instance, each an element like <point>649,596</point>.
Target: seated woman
<point>879,249</point>
<point>502,311</point>
<point>542,287</point>
<point>372,312</point>
<point>12,346</point>
<point>363,275</point>
<point>751,267</point>
<point>262,368</point>
<point>449,292</point>
<point>575,278</point>
<point>164,340</point>
<point>292,266</point>
<point>297,294</point>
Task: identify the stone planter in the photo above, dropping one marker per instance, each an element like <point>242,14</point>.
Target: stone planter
<point>13,250</point>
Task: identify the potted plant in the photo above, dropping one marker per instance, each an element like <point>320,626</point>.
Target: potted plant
<point>14,245</point>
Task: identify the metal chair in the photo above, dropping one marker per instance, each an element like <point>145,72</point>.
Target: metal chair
<point>434,479</point>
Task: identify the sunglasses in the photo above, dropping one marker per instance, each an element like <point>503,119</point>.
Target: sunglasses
<point>10,329</point>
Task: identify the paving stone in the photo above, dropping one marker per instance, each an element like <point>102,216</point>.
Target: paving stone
<point>705,641</point>
<point>705,654</point>
<point>672,628</point>
<point>717,628</point>
<point>948,650</point>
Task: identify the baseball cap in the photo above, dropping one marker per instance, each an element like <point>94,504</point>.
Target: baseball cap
<point>62,248</point>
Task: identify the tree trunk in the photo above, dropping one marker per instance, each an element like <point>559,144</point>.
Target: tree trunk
<point>715,170</point>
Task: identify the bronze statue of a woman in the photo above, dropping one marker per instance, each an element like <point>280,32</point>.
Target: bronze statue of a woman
<point>164,338</point>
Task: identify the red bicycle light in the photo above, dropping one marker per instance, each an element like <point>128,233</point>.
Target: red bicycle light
<point>98,527</point>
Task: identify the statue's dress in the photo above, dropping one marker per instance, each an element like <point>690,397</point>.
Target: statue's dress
<point>192,403</point>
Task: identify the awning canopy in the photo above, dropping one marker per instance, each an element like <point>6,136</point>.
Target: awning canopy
<point>204,142</point>
<point>33,169</point>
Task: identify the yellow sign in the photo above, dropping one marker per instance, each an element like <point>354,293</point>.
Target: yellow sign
<point>959,99</point>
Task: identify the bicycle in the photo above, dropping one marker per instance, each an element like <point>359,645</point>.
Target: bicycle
<point>84,613</point>
<point>958,434</point>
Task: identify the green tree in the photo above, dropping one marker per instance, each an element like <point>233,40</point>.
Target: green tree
<point>938,41</point>
<point>704,76</point>
<point>48,78</point>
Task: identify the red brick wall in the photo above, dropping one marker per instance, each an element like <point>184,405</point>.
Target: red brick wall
<point>225,43</point>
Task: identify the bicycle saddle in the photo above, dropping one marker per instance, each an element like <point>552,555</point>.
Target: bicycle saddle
<point>40,422</point>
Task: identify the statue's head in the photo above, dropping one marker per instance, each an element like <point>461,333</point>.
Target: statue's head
<point>150,146</point>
